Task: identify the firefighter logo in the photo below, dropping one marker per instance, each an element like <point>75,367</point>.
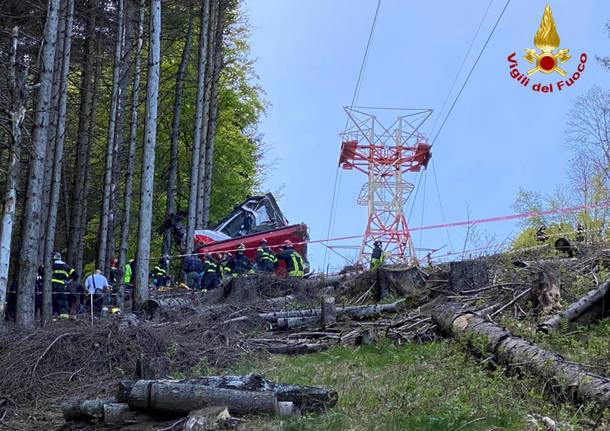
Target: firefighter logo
<point>547,57</point>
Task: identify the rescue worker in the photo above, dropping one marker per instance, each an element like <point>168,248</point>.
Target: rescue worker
<point>59,281</point>
<point>77,295</point>
<point>159,273</point>
<point>377,256</point>
<point>114,263</point>
<point>541,235</point>
<point>295,264</point>
<point>239,264</point>
<point>193,268</point>
<point>265,258</point>
<point>580,233</point>
<point>129,270</point>
<point>38,287</point>
<point>223,264</point>
<point>210,277</point>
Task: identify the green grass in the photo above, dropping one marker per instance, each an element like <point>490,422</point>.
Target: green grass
<point>435,386</point>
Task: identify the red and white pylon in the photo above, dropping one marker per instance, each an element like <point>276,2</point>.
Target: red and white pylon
<point>386,155</point>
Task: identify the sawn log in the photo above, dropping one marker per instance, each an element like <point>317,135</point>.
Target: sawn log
<point>514,352</point>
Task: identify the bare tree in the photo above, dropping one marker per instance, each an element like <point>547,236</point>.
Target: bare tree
<point>173,164</point>
<point>588,130</point>
<point>110,143</point>
<point>18,90</point>
<point>195,160</point>
<point>148,155</point>
<point>32,211</point>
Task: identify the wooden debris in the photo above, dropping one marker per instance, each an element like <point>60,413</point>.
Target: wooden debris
<point>329,311</point>
<point>590,306</point>
<point>517,353</point>
<point>182,397</point>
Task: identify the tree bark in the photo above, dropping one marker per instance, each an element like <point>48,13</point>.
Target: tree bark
<point>598,296</point>
<point>32,212</point>
<point>148,156</point>
<point>114,98</point>
<point>18,92</point>
<point>91,138</point>
<point>213,114</point>
<point>307,398</point>
<point>195,159</point>
<point>329,311</point>
<point>119,140</point>
<point>517,353</point>
<point>84,410</point>
<point>181,398</point>
<point>52,133</point>
<point>209,73</point>
<point>58,157</point>
<point>131,151</point>
<point>175,133</point>
<point>85,121</point>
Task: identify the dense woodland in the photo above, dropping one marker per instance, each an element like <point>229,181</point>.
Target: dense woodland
<point>115,114</point>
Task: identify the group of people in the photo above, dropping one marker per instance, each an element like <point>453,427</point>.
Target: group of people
<point>68,294</point>
<point>204,270</point>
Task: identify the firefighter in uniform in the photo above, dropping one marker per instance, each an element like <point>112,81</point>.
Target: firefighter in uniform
<point>580,233</point>
<point>377,257</point>
<point>240,264</point>
<point>210,277</point>
<point>541,235</point>
<point>265,258</point>
<point>59,281</point>
<point>223,264</point>
<point>159,273</point>
<point>295,264</point>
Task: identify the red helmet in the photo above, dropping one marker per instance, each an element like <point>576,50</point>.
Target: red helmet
<point>114,263</point>
<point>287,244</point>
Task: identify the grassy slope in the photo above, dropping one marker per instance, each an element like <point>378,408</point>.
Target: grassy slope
<point>434,386</point>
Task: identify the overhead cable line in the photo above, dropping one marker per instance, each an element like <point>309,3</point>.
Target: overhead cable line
<point>459,71</point>
<point>470,73</point>
<point>354,99</point>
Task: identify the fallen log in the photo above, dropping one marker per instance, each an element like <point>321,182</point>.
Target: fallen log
<point>294,349</point>
<point>84,410</point>
<point>180,398</point>
<point>306,398</point>
<point>517,353</point>
<point>121,414</point>
<point>285,323</point>
<point>593,304</point>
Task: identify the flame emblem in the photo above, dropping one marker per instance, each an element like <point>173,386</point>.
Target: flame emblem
<point>547,41</point>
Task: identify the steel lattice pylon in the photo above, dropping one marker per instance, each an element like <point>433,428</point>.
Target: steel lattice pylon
<point>385,155</point>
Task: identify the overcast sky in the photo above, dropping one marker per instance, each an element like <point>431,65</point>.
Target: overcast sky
<point>499,138</point>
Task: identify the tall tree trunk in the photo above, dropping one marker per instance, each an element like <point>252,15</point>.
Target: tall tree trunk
<point>119,139</point>
<point>133,133</point>
<point>209,73</point>
<point>50,151</point>
<point>32,212</point>
<point>213,117</point>
<point>173,164</point>
<point>18,95</point>
<point>203,43</point>
<point>85,121</point>
<point>104,215</point>
<point>58,157</point>
<point>148,155</point>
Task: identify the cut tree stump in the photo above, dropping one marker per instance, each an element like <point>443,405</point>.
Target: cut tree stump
<point>182,397</point>
<point>593,305</point>
<point>467,274</point>
<point>517,353</point>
